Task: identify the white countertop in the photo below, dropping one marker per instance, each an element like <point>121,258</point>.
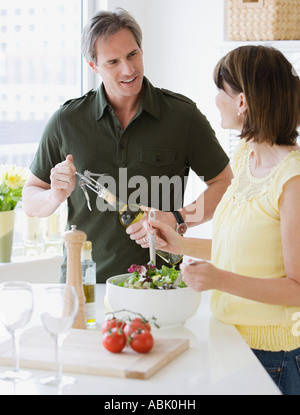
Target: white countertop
<point>38,270</point>
<point>218,362</point>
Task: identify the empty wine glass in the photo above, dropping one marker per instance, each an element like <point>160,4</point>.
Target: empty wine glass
<point>60,309</point>
<point>16,305</point>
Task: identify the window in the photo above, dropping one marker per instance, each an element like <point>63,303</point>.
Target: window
<point>40,69</point>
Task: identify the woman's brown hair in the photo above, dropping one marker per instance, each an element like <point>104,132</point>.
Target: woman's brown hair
<point>272,90</point>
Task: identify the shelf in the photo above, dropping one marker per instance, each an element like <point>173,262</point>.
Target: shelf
<point>283,45</point>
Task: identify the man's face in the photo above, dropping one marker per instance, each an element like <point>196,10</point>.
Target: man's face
<point>120,65</point>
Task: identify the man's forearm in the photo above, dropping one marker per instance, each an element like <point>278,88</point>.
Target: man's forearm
<point>37,202</point>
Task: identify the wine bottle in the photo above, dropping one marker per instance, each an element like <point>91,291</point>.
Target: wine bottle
<point>130,214</point>
<point>88,269</point>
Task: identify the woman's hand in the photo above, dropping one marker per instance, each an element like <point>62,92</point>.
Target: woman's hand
<point>167,239</point>
<point>140,230</point>
<point>200,275</point>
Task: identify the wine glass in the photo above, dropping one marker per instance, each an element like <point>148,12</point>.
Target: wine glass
<point>16,306</point>
<point>60,310</point>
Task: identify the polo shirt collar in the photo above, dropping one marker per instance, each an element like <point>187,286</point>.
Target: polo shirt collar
<point>150,102</point>
<point>101,102</point>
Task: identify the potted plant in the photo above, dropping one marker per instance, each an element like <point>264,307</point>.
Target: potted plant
<point>12,180</point>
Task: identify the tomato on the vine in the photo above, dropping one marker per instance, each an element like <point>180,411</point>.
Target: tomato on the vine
<point>114,340</point>
<point>135,325</point>
<point>145,323</point>
<point>117,333</point>
<point>141,341</point>
<point>112,323</point>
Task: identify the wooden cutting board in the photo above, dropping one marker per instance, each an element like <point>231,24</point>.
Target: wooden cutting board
<point>82,352</point>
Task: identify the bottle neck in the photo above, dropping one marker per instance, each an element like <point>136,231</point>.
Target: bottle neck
<point>86,255</point>
<point>112,200</point>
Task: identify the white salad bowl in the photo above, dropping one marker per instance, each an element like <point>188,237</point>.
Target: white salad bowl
<point>171,308</point>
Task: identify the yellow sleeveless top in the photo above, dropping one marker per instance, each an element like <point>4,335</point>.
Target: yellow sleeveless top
<point>247,241</point>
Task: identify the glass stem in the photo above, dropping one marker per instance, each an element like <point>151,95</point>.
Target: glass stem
<point>58,344</point>
<point>16,349</point>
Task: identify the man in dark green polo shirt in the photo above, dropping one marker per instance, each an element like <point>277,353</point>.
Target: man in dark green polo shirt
<point>126,127</point>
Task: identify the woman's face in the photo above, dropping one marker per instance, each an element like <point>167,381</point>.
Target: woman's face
<point>228,104</point>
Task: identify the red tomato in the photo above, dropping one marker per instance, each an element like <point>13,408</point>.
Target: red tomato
<point>112,323</point>
<point>135,325</point>
<point>145,323</point>
<point>141,341</point>
<point>114,340</point>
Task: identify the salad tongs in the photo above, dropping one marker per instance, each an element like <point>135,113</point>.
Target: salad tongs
<point>152,238</point>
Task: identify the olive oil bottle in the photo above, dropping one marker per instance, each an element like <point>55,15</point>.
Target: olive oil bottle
<point>88,269</point>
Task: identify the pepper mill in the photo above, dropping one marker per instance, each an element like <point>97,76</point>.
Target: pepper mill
<point>74,240</point>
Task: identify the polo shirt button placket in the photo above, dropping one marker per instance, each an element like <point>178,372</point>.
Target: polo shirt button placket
<point>122,155</point>
<point>119,132</point>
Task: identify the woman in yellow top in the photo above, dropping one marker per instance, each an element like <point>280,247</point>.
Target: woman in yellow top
<point>255,252</point>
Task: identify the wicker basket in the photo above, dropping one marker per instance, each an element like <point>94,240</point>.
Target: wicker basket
<point>263,19</point>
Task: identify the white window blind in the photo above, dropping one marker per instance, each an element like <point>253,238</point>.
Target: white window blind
<point>40,68</point>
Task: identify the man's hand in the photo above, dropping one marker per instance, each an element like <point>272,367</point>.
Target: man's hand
<point>41,199</point>
<point>63,180</point>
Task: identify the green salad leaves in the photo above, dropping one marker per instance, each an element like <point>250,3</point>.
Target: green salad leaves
<point>149,277</point>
